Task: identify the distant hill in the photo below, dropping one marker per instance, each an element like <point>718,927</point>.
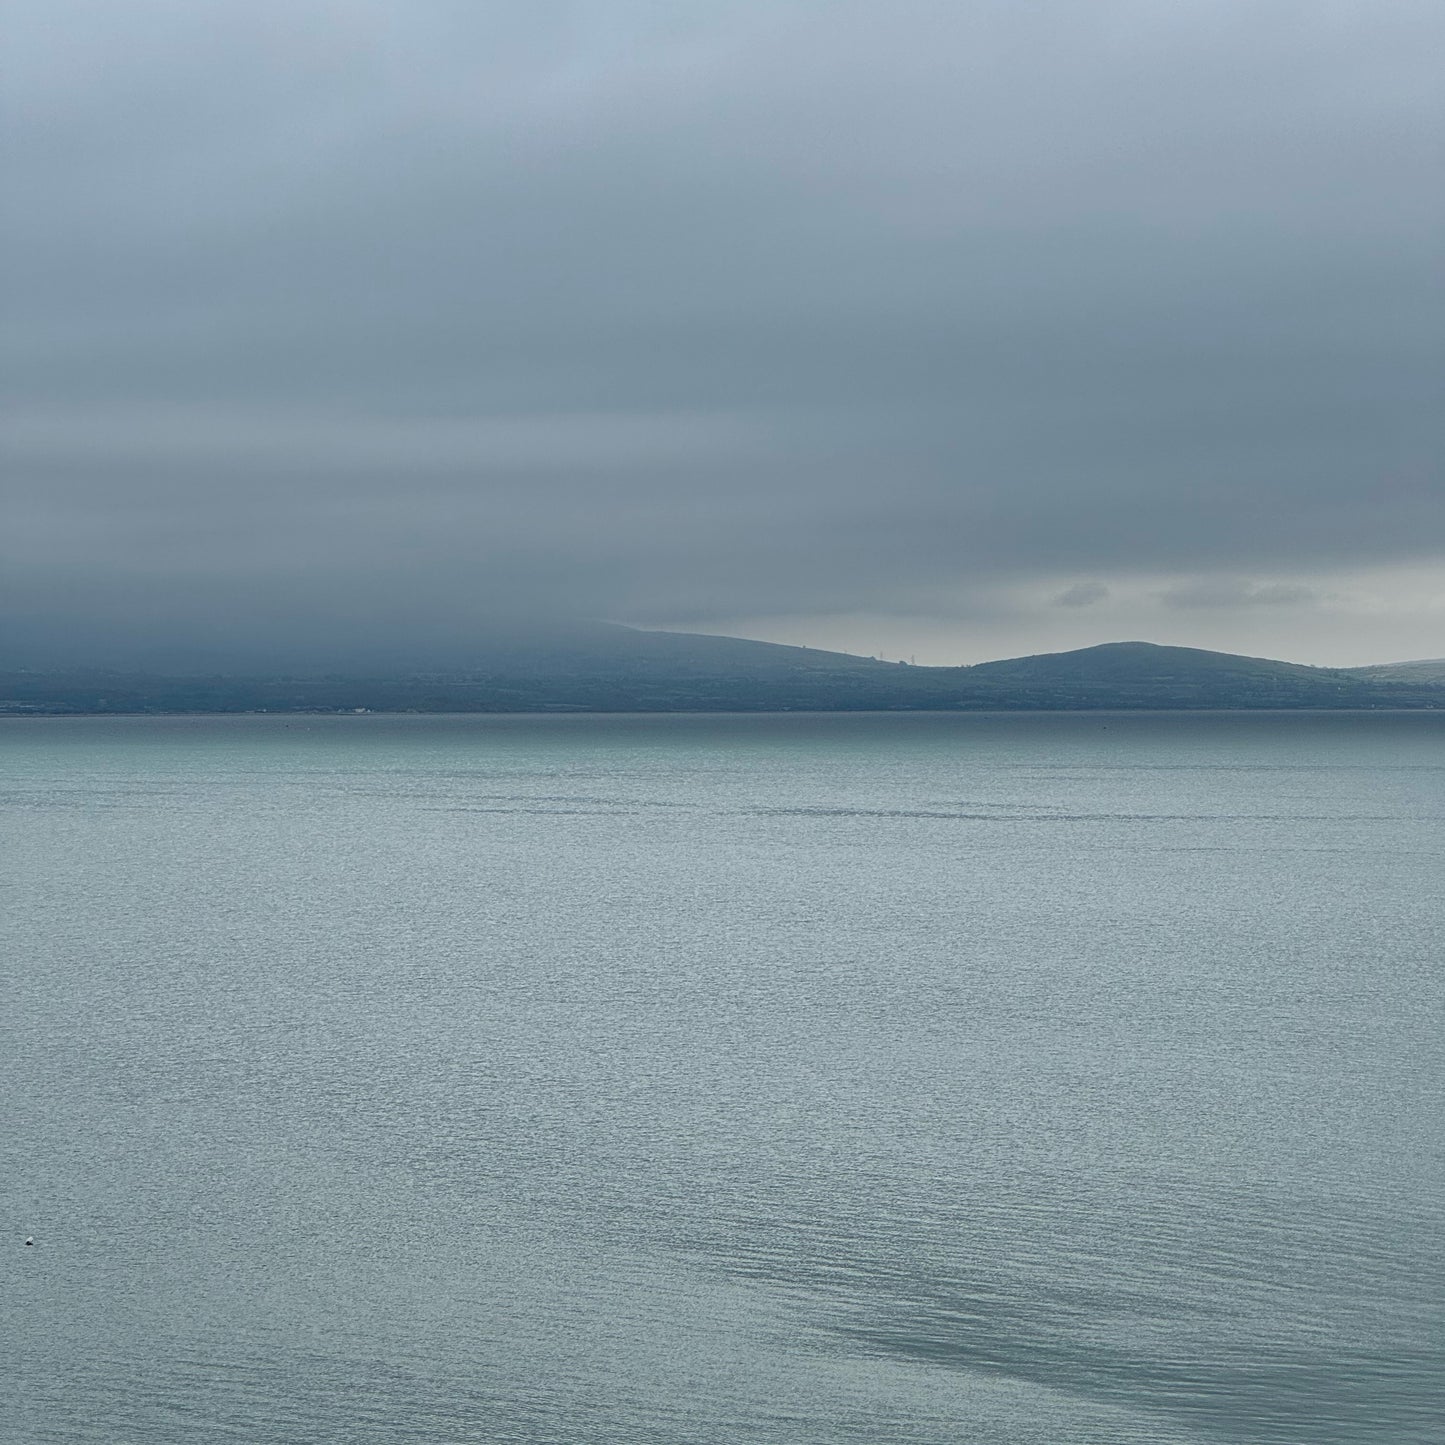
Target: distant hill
<point>1431,670</point>
<point>1143,674</point>
<point>617,669</point>
<point>1135,662</point>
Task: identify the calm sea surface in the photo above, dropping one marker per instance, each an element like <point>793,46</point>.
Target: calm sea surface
<point>1020,1080</point>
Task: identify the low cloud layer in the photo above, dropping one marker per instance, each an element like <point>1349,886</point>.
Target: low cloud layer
<point>1081,594</point>
<point>1234,592</point>
<point>396,320</point>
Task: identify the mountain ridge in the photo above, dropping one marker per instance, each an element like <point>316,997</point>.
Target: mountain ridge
<point>625,669</point>
<point>1133,658</point>
<point>1426,669</point>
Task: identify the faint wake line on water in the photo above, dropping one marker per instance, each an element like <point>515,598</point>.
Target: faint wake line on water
<point>1039,816</point>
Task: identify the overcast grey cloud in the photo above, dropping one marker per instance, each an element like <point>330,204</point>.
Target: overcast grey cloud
<point>917,325</point>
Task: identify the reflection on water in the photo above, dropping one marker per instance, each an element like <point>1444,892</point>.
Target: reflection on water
<point>921,1079</point>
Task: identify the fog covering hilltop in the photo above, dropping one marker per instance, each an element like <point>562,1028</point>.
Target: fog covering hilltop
<point>609,668</point>
<point>609,649</point>
<point>500,647</point>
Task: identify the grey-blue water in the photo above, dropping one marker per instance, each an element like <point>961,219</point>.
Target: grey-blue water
<point>752,1079</point>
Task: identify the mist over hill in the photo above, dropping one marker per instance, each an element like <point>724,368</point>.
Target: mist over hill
<point>609,668</point>
<point>500,646</point>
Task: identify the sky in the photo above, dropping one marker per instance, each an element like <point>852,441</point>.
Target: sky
<point>944,329</point>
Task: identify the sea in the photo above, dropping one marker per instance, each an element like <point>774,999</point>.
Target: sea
<point>1041,1079</point>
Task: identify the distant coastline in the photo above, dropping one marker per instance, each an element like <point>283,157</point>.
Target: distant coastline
<point>676,673</point>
